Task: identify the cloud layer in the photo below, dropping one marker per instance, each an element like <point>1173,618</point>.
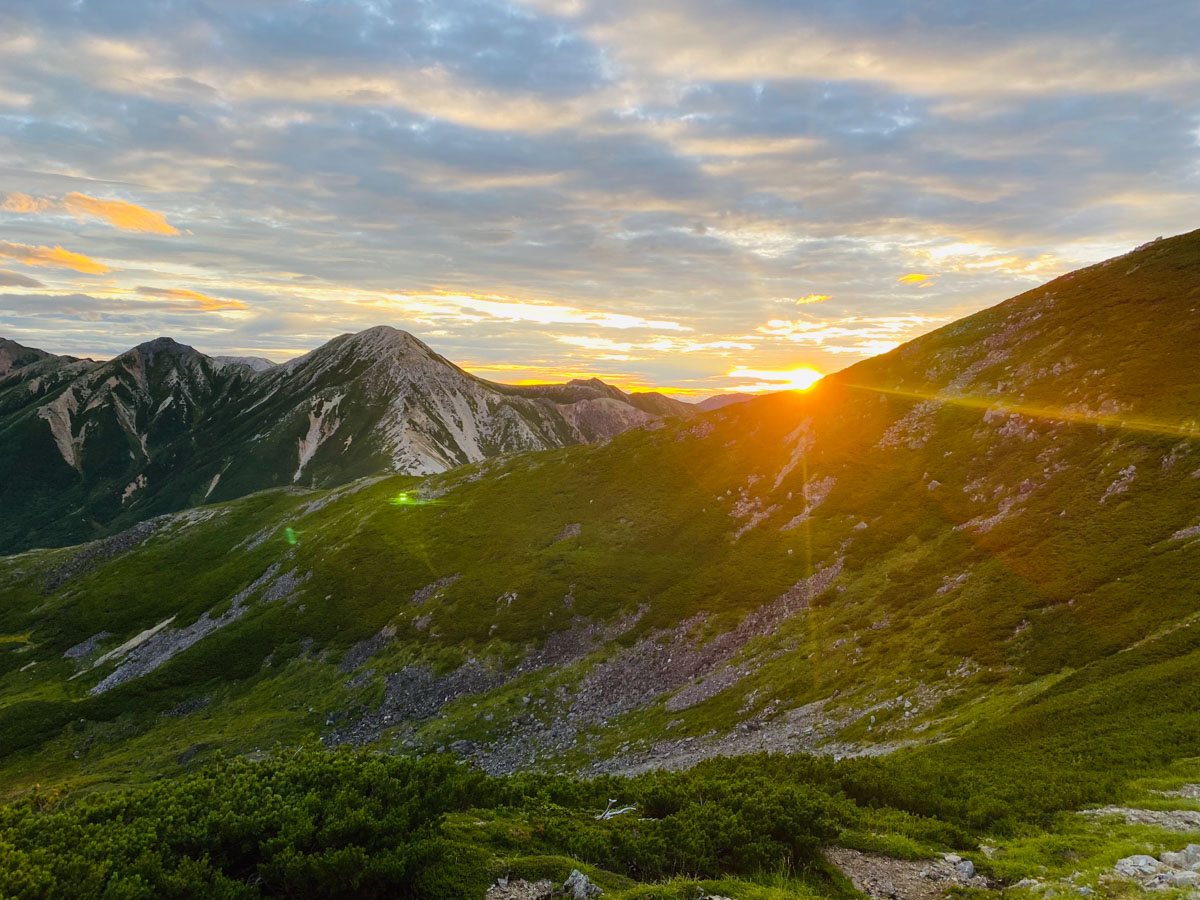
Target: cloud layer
<point>660,194</point>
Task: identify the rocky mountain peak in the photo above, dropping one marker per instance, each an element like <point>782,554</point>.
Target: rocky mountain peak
<point>601,387</point>
<point>148,351</point>
<point>592,382</point>
<point>380,344</point>
<point>382,340</point>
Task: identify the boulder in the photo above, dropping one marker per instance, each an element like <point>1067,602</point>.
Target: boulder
<point>1184,879</point>
<point>964,869</point>
<point>1173,859</point>
<point>579,887</point>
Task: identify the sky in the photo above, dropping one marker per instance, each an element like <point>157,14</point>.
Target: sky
<point>686,195</point>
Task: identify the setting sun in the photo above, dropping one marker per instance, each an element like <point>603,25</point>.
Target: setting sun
<point>798,379</point>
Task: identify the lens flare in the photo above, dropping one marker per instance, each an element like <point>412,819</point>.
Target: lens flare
<point>1189,430</point>
<point>406,499</point>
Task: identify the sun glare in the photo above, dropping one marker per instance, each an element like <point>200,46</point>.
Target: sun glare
<point>798,379</point>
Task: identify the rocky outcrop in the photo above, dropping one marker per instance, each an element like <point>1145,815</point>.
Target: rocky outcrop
<point>1181,820</point>
<point>99,552</point>
<point>156,646</point>
<point>1172,869</point>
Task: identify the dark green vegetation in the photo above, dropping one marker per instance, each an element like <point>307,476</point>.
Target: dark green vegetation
<point>978,554</point>
<point>316,824</point>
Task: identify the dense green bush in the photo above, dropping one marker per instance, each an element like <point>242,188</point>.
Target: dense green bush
<point>319,824</point>
<point>305,825</point>
<point>722,816</point>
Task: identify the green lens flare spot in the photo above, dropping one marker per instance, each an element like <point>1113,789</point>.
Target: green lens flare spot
<point>290,534</point>
<point>407,499</point>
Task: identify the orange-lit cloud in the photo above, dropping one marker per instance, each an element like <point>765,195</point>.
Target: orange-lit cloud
<point>53,257</point>
<point>117,213</point>
<point>914,278</point>
<point>199,301</point>
<point>970,256</point>
<point>811,298</point>
<point>23,203</point>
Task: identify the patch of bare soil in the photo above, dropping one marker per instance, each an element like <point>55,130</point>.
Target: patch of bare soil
<point>518,889</point>
<point>884,878</point>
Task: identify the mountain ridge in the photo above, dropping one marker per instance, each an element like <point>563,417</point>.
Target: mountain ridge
<point>162,426</point>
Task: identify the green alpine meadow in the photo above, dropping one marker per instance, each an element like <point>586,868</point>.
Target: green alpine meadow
<point>924,628</point>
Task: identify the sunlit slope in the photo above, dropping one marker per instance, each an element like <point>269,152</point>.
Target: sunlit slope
<point>923,546</point>
<point>1111,344</point>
